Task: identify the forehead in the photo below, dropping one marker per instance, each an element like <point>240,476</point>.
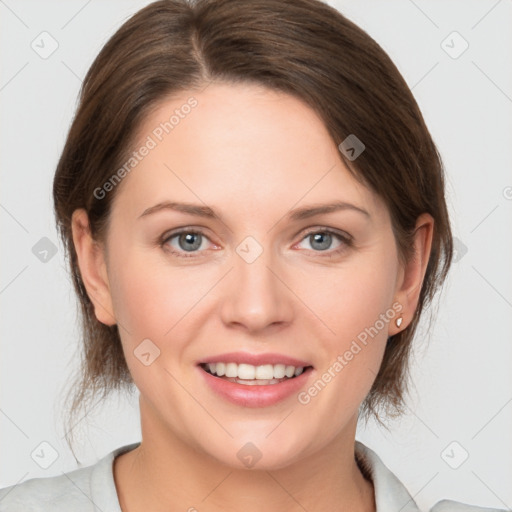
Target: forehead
<point>244,148</point>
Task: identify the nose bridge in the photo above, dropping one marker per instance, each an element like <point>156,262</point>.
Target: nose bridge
<point>257,298</point>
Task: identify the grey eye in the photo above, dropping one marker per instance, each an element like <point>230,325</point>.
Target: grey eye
<point>322,241</point>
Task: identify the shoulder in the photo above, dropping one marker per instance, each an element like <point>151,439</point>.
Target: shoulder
<point>457,506</point>
<point>56,493</point>
<point>390,492</point>
<point>84,489</point>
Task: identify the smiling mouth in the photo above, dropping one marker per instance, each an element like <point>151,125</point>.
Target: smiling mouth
<point>250,375</point>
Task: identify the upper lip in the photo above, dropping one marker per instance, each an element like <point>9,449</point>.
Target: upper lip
<point>255,359</point>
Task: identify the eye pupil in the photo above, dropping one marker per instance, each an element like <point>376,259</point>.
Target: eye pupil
<point>188,237</point>
<point>325,237</point>
<point>191,242</point>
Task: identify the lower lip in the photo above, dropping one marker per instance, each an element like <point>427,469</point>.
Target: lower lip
<point>255,396</point>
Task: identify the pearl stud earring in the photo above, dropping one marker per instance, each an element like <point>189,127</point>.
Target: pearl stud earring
<point>398,321</point>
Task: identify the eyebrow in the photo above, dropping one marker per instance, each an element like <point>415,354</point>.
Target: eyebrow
<point>298,214</point>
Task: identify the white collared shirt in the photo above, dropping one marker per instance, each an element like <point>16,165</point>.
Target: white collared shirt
<point>92,489</point>
<point>392,496</point>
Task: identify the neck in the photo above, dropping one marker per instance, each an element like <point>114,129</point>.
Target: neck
<point>165,472</point>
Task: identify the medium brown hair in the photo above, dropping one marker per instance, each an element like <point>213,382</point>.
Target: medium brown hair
<point>301,47</point>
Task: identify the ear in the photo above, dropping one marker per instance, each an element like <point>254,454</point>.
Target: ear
<point>93,269</point>
<point>410,277</point>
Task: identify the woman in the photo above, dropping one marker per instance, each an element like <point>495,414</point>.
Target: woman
<point>255,220</point>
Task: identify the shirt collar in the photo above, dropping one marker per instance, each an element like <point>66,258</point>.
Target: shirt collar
<point>390,494</point>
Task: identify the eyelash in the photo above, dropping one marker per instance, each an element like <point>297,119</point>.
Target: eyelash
<point>345,239</point>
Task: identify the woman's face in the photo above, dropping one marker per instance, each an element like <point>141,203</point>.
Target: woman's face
<point>316,291</point>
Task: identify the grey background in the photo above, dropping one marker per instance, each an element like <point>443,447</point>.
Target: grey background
<point>461,372</point>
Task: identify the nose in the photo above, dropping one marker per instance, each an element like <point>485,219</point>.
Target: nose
<point>256,296</point>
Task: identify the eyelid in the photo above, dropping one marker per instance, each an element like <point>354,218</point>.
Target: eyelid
<point>166,237</point>
<point>344,237</point>
<point>326,229</point>
<point>347,241</point>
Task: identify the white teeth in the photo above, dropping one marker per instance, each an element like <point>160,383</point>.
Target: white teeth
<point>220,369</point>
<point>289,371</point>
<point>248,372</point>
<point>231,370</point>
<point>279,371</point>
<point>264,372</point>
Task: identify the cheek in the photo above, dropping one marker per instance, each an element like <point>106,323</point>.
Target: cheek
<point>142,301</point>
<point>148,299</point>
<point>164,304</point>
<point>352,297</point>
<point>150,302</point>
<point>356,306</point>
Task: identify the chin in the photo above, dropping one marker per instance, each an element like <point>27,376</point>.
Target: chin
<point>259,453</point>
